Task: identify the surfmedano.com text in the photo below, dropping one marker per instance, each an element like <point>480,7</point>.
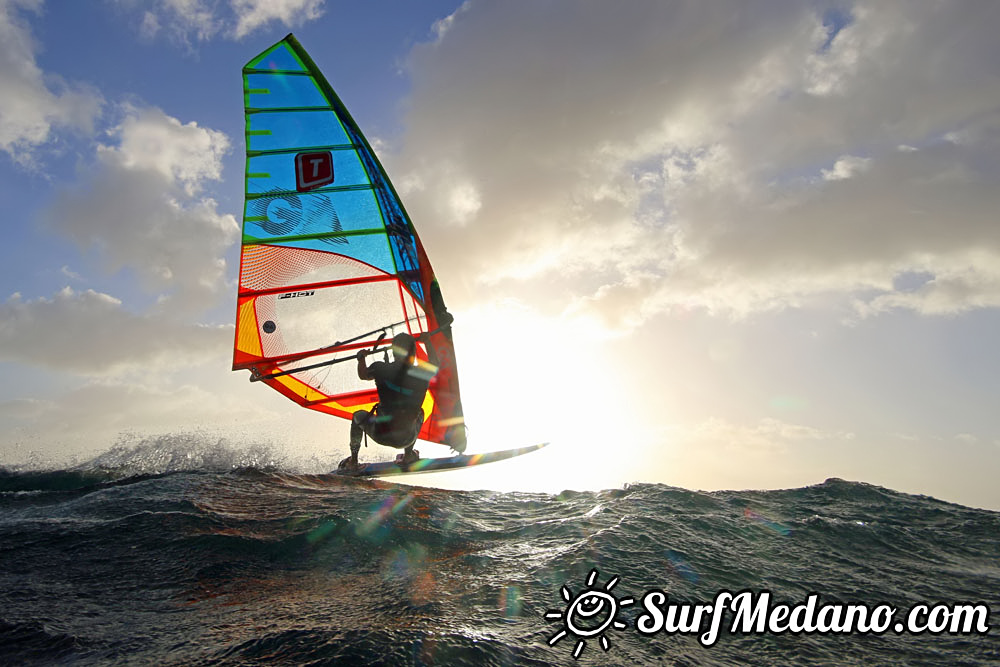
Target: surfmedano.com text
<point>756,613</point>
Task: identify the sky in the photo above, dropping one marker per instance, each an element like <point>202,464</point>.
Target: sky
<point>715,245</point>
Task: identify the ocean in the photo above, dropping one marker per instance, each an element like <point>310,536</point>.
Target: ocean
<point>136,559</point>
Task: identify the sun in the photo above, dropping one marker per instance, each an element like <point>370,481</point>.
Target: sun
<point>588,614</point>
<point>528,377</point>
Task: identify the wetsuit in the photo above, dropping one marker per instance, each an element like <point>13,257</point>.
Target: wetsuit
<point>397,420</point>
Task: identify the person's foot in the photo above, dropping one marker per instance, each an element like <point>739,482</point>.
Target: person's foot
<point>407,458</point>
<point>351,462</point>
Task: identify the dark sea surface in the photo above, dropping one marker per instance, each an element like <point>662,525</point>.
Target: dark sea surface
<point>113,562</point>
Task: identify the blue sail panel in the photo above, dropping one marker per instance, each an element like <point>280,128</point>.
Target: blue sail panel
<point>283,91</point>
<point>271,172</point>
<point>278,57</point>
<point>283,131</point>
<point>283,213</point>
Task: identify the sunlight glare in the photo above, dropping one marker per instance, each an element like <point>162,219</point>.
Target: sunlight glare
<point>528,378</point>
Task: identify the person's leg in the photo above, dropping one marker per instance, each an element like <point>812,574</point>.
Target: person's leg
<point>358,423</point>
<point>410,455</point>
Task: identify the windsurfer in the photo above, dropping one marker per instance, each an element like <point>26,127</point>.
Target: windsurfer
<point>398,416</point>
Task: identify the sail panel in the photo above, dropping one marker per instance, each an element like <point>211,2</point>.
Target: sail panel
<point>280,213</point>
<point>294,130</point>
<point>277,90</point>
<point>271,268</point>
<point>279,57</point>
<point>269,172</point>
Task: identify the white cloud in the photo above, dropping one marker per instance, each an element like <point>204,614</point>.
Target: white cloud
<point>441,27</point>
<point>180,415</point>
<point>148,139</point>
<point>193,16</point>
<point>679,156</point>
<point>180,20</point>
<point>846,167</point>
<point>187,21</point>
<point>958,286</point>
<point>464,202</point>
<point>766,436</point>
<point>150,25</point>
<point>718,453</point>
<point>70,273</point>
<point>139,210</point>
<point>92,334</point>
<point>253,14</point>
<point>619,307</point>
<point>34,104</point>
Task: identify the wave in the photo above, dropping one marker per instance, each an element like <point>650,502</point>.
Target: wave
<point>190,551</point>
<point>32,641</point>
<point>135,458</point>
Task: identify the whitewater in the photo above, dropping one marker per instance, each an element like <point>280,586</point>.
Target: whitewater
<point>165,555</point>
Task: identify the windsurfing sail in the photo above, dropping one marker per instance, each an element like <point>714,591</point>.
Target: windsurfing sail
<point>330,261</point>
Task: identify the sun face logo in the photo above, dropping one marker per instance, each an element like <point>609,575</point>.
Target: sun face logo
<point>588,614</point>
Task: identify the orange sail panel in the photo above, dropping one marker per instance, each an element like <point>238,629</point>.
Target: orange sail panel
<point>330,260</point>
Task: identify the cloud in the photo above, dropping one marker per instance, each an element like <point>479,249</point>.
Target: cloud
<point>34,104</point>
<point>183,154</point>
<point>70,273</point>
<point>440,27</point>
<point>187,21</point>
<point>846,167</point>
<point>710,155</point>
<point>91,333</point>
<point>768,453</point>
<point>253,14</point>
<point>182,18</point>
<point>767,436</point>
<point>198,408</point>
<point>955,288</point>
<point>139,209</point>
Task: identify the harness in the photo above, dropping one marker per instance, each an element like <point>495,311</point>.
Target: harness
<point>412,419</point>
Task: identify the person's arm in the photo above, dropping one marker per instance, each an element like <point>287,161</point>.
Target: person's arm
<point>432,354</point>
<point>363,365</point>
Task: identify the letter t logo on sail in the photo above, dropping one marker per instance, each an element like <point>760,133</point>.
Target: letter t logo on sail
<point>313,170</point>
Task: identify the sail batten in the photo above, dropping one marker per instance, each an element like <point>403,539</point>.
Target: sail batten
<point>308,286</point>
<point>330,259</point>
<point>256,110</point>
<point>287,193</point>
<point>287,72</point>
<point>299,149</point>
